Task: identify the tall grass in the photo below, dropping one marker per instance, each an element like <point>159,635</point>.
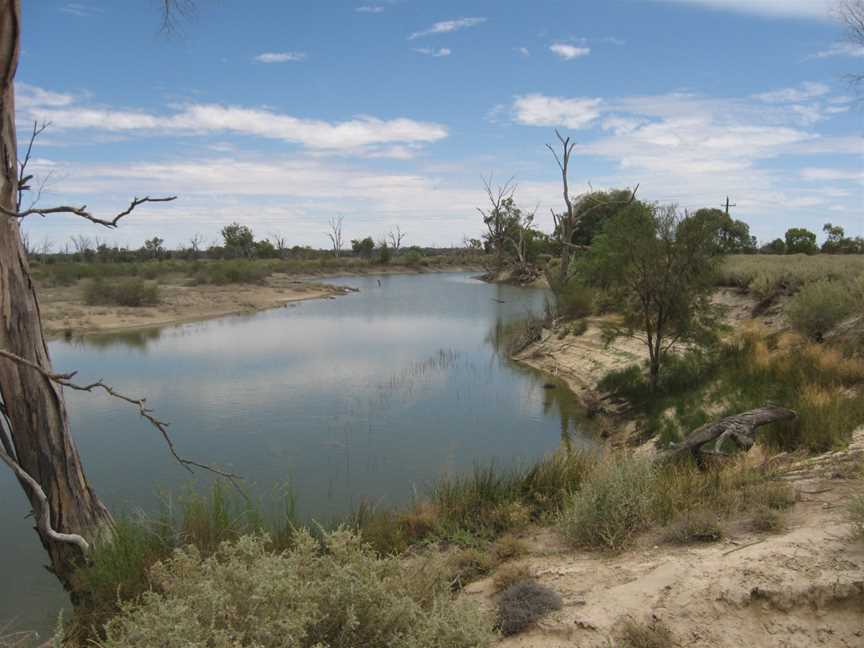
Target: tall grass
<point>771,275</point>
<point>134,292</point>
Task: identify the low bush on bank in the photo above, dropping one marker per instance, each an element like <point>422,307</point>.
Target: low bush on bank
<point>575,301</point>
<point>133,292</point>
<point>820,306</point>
<point>221,273</point>
<point>856,515</point>
<point>523,604</point>
<point>625,496</point>
<point>653,634</point>
<point>340,595</point>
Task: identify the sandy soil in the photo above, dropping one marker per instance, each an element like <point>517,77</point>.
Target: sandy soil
<point>64,311</point>
<point>803,587</point>
<point>581,361</point>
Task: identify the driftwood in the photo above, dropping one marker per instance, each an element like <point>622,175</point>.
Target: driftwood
<point>740,429</point>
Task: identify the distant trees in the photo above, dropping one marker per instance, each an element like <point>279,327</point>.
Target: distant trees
<point>363,247</point>
<point>777,246</point>
<point>153,247</point>
<point>238,241</point>
<point>656,269</point>
<point>838,243</point>
<point>732,236</point>
<point>396,237</point>
<point>498,217</point>
<point>800,241</point>
<point>335,234</point>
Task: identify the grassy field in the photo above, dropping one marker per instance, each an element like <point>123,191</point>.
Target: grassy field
<point>767,275</point>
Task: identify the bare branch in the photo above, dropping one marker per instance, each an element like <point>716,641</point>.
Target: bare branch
<point>23,178</point>
<point>83,213</point>
<point>43,515</point>
<point>65,380</point>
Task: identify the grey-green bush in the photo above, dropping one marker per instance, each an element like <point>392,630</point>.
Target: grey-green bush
<point>612,506</point>
<point>524,603</point>
<point>818,307</point>
<point>342,596</point>
<point>132,292</point>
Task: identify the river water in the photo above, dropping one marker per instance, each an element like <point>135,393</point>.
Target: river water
<point>370,396</point>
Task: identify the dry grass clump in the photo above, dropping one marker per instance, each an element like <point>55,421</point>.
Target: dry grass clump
<point>767,520</point>
<point>655,634</point>
<point>131,292</point>
<point>509,547</point>
<point>856,515</point>
<point>341,596</point>
<point>819,307</point>
<point>524,603</point>
<point>698,526</point>
<point>471,563</point>
<point>508,575</point>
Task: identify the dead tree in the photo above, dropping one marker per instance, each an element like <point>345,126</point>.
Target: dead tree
<point>335,234</point>
<point>280,243</point>
<point>851,14</point>
<point>396,237</point>
<point>495,217</point>
<point>518,237</point>
<point>566,223</point>
<point>739,429</point>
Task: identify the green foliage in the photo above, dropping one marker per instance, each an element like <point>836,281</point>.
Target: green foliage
<point>238,240</point>
<point>777,246</point>
<point>611,507</point>
<point>575,300</point>
<point>524,603</point>
<point>363,247</point>
<point>594,210</point>
<point>657,270</point>
<point>385,254</point>
<point>413,259</point>
<point>800,241</point>
<point>820,306</point>
<point>238,271</point>
<point>131,292</point>
<point>836,241</point>
<point>343,596</point>
<point>730,236</point>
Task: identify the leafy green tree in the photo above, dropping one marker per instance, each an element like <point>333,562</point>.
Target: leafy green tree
<point>594,210</point>
<point>777,246</point>
<point>363,247</point>
<point>838,243</point>
<point>656,269</point>
<point>265,249</point>
<point>153,247</point>
<point>385,253</point>
<point>732,236</point>
<point>800,241</point>
<point>238,240</point>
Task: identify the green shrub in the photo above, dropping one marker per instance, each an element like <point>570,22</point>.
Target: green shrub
<point>575,301</point>
<point>612,506</point>
<point>125,292</point>
<point>766,520</point>
<point>237,271</point>
<point>413,259</point>
<point>342,596</point>
<point>524,603</point>
<point>819,307</point>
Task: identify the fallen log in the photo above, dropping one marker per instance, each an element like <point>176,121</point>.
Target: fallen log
<point>740,429</point>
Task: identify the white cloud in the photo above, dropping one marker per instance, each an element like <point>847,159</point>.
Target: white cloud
<point>437,53</point>
<point>79,9</point>
<point>280,57</point>
<point>540,110</point>
<point>447,26</point>
<point>569,52</point>
<point>370,9</point>
<point>29,96</point>
<point>820,9</point>
<point>840,49</point>
<point>353,135</point>
<point>806,90</point>
<point>822,174</point>
<point>524,51</point>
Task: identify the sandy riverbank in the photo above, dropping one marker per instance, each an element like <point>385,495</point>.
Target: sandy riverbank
<point>65,313</point>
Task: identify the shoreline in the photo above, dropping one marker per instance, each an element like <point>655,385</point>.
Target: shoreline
<point>65,315</point>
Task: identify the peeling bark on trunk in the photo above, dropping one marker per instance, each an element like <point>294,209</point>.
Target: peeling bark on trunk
<point>39,427</point>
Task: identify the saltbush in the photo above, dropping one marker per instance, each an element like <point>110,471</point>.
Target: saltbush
<point>524,603</point>
<point>819,307</point>
<point>341,596</point>
<point>125,292</point>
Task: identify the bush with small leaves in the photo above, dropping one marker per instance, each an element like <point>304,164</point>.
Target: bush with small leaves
<point>341,596</point>
<point>819,307</point>
<point>524,603</point>
<point>645,635</point>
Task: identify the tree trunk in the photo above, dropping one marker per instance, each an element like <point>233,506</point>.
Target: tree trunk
<point>37,420</point>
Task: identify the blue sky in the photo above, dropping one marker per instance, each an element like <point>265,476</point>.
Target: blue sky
<point>391,112</point>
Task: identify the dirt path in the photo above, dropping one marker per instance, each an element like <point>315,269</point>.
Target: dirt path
<point>65,313</point>
<point>803,587</point>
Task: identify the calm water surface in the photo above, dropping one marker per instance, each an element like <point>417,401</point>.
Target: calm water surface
<point>369,396</point>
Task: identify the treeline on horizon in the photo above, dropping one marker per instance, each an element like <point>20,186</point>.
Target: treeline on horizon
<point>239,241</point>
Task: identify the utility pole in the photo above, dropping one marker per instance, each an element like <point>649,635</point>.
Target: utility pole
<point>728,205</point>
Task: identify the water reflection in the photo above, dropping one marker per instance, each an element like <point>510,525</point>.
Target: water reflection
<point>369,397</point>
